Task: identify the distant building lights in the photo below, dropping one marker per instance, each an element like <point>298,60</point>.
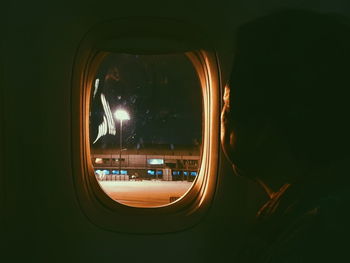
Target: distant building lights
<point>98,160</point>
<point>155,161</point>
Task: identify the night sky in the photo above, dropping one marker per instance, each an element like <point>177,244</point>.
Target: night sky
<point>162,94</point>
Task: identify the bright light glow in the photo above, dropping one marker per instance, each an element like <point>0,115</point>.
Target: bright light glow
<point>155,161</point>
<point>98,160</point>
<point>151,172</point>
<point>121,115</point>
<point>103,172</point>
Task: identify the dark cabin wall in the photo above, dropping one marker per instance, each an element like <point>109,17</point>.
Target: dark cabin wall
<point>43,221</point>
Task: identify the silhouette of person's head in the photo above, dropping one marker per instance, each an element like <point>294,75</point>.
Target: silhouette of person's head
<point>287,100</point>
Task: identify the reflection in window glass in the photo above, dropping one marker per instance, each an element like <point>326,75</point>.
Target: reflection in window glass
<point>146,127</point>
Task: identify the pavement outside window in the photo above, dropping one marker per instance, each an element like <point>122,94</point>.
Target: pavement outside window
<point>145,193</point>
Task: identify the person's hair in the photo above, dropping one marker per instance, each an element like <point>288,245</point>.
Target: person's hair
<point>292,68</point>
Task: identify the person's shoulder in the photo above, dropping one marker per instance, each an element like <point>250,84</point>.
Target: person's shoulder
<point>333,212</point>
<point>320,234</point>
<point>309,225</point>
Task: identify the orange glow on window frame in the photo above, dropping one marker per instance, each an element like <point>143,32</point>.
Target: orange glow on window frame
<point>96,205</point>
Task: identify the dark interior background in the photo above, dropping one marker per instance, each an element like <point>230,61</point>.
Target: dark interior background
<point>41,220</point>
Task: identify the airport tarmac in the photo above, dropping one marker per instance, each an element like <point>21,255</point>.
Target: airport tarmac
<point>145,193</point>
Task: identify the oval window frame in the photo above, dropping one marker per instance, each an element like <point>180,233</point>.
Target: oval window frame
<point>99,208</point>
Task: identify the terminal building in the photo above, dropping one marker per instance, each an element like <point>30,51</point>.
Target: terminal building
<point>158,162</point>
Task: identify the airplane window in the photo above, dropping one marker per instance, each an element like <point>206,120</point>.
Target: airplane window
<point>145,127</point>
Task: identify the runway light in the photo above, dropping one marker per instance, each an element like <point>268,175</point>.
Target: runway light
<point>122,115</point>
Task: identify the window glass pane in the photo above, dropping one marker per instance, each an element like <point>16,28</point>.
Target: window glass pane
<point>146,127</point>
